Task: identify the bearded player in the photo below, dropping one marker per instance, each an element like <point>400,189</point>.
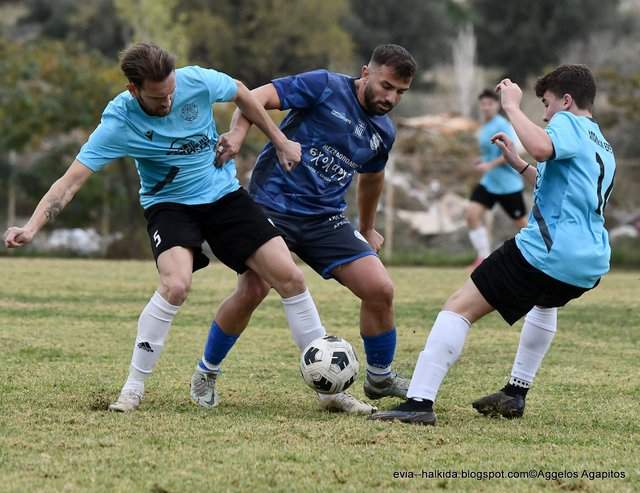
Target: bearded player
<point>341,122</point>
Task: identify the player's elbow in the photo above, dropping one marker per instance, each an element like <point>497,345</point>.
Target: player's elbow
<point>541,150</point>
<point>243,93</point>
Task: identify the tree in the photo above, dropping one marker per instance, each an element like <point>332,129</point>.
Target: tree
<point>47,89</point>
<point>157,21</point>
<point>523,37</point>
<point>93,23</point>
<point>256,40</point>
<point>424,28</point>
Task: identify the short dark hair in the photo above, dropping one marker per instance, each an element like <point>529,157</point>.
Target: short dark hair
<point>396,57</point>
<point>576,80</point>
<point>488,93</point>
<point>146,61</point>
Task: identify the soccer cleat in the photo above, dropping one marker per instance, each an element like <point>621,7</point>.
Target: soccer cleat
<point>392,386</point>
<point>345,403</point>
<point>203,388</point>
<point>500,404</point>
<point>128,400</point>
<point>410,411</point>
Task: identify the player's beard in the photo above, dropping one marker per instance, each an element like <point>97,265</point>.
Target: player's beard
<point>373,106</point>
<point>154,113</point>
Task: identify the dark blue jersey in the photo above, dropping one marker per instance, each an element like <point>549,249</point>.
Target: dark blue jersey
<point>338,138</point>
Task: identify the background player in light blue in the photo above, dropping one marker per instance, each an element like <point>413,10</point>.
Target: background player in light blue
<point>342,125</point>
<point>164,120</point>
<point>500,182</point>
<point>561,254</point>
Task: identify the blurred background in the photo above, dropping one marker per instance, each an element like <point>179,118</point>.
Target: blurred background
<point>58,69</point>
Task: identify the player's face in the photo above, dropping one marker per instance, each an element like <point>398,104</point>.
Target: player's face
<point>155,97</point>
<point>553,104</point>
<point>489,108</point>
<point>383,89</point>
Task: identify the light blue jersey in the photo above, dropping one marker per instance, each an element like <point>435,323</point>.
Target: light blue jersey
<point>502,179</point>
<point>566,238</point>
<point>174,154</point>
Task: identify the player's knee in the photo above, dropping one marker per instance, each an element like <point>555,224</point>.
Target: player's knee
<point>472,217</point>
<point>381,293</point>
<point>251,294</point>
<point>292,283</point>
<point>176,289</point>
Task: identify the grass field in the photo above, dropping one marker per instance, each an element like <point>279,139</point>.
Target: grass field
<point>66,332</point>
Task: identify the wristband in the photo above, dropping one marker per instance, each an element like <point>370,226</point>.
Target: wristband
<point>525,168</point>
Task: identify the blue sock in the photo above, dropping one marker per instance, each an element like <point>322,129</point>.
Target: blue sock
<point>217,346</point>
<point>380,350</point>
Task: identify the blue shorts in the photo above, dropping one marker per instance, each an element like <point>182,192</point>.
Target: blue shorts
<point>323,242</point>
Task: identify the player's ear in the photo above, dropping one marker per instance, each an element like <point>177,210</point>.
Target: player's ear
<point>364,73</point>
<point>133,89</point>
<point>567,101</point>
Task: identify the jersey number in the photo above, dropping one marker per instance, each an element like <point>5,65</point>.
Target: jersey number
<point>602,201</point>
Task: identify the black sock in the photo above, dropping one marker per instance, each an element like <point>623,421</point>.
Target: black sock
<point>514,390</point>
<point>425,405</point>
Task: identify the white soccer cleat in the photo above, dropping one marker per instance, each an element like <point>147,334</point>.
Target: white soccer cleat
<point>345,403</point>
<point>128,400</point>
<point>203,389</point>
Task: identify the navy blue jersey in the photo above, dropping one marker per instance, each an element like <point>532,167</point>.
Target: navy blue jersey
<point>338,138</point>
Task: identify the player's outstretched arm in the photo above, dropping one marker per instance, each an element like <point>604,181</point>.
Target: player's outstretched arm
<point>229,143</point>
<point>368,190</point>
<point>58,196</point>
<point>533,138</point>
<point>511,156</point>
<point>289,152</point>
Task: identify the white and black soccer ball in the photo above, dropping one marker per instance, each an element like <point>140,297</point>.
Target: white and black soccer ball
<point>329,365</point>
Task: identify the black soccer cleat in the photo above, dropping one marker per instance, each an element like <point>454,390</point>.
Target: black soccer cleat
<point>500,404</point>
<point>410,411</point>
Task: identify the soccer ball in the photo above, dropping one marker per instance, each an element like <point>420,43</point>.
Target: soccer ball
<point>329,365</point>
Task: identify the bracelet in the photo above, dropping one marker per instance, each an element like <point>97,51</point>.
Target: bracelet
<point>525,168</point>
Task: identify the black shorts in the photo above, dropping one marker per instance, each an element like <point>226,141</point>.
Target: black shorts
<point>234,226</point>
<point>512,203</point>
<point>323,242</point>
<point>513,286</point>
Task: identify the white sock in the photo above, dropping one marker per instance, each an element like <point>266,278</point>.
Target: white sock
<point>480,240</point>
<point>304,320</point>
<point>153,327</point>
<point>378,374</point>
<point>535,339</point>
<point>444,346</point>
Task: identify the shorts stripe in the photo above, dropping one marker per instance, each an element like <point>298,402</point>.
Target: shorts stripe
<point>326,272</point>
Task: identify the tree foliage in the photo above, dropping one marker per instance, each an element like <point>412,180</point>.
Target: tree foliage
<point>48,88</point>
<point>424,28</point>
<point>523,37</point>
<point>256,40</point>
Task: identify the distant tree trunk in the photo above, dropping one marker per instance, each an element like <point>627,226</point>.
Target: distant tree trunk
<point>464,56</point>
<point>105,220</point>
<point>389,208</point>
<point>11,190</point>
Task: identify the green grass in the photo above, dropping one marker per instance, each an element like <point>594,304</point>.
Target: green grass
<point>66,332</point>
